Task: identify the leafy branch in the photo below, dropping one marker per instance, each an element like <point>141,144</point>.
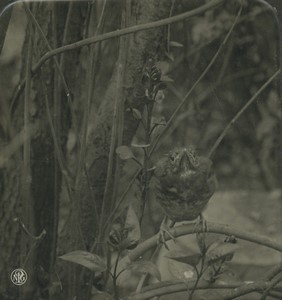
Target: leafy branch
<point>238,289</point>
<point>215,228</point>
<point>212,227</point>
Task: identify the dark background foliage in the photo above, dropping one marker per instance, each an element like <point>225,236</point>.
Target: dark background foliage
<point>64,191</point>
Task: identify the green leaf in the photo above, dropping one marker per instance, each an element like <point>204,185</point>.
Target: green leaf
<point>169,56</point>
<point>191,259</point>
<point>181,271</point>
<point>145,267</point>
<point>220,250</point>
<point>160,86</point>
<point>136,114</point>
<point>141,146</point>
<point>163,66</point>
<point>124,152</point>
<point>201,241</point>
<point>85,259</point>
<point>166,78</point>
<point>132,227</point>
<point>175,44</point>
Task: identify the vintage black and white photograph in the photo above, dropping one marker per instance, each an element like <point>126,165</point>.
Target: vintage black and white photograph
<point>140,150</point>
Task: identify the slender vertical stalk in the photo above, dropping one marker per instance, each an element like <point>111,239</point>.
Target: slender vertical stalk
<point>241,111</point>
<point>87,104</point>
<point>115,276</point>
<point>116,136</point>
<point>28,214</point>
<point>199,275</point>
<point>145,182</point>
<point>179,107</point>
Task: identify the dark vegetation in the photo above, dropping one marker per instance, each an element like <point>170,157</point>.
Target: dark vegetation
<point>93,93</point>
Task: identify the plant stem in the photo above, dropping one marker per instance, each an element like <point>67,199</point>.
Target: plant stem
<point>144,195</point>
<point>199,275</point>
<point>115,275</point>
<point>241,111</point>
<point>180,106</point>
<point>274,282</point>
<point>167,288</point>
<point>212,227</point>
<point>273,272</point>
<point>115,34</point>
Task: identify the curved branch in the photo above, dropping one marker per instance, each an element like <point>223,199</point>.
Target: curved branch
<point>166,288</point>
<point>241,111</point>
<point>114,34</point>
<point>212,227</point>
<point>274,283</point>
<point>273,272</point>
<point>258,286</point>
<point>128,30</point>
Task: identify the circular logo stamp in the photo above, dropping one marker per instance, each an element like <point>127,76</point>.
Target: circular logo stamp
<point>19,277</point>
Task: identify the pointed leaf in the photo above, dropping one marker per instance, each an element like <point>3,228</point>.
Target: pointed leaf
<point>221,250</point>
<point>136,114</point>
<point>141,146</point>
<point>201,241</point>
<point>145,267</point>
<point>166,78</point>
<point>160,86</point>
<point>169,56</point>
<point>191,259</point>
<point>163,66</point>
<point>180,271</point>
<point>132,226</point>
<point>116,235</point>
<point>124,152</point>
<point>86,259</point>
<point>175,44</point>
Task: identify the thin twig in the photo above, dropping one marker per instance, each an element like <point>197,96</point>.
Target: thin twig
<point>34,237</point>
<point>122,198</point>
<point>179,107</point>
<point>273,283</point>
<point>123,57</point>
<point>63,166</point>
<point>128,30</point>
<point>248,288</point>
<point>116,135</point>
<point>115,276</point>
<point>168,27</point>
<point>241,111</point>
<point>38,27</point>
<point>170,121</point>
<point>167,288</point>
<point>16,143</point>
<point>199,275</point>
<point>86,111</point>
<point>87,103</point>
<point>27,174</point>
<point>273,272</point>
<point>212,227</point>
<point>114,34</point>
